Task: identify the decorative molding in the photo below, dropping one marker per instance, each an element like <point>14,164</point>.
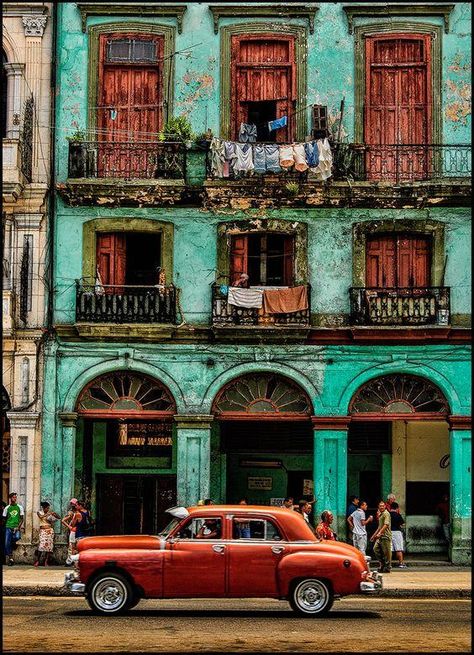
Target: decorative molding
<point>457,422</point>
<point>193,421</point>
<point>388,10</point>
<point>34,25</point>
<point>23,420</point>
<point>68,419</point>
<point>136,10</point>
<point>28,221</point>
<point>330,422</point>
<point>307,11</point>
<point>11,9</point>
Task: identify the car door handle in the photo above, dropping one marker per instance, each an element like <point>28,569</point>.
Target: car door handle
<point>277,549</point>
<point>218,549</point>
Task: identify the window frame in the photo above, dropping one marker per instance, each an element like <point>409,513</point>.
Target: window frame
<point>190,521</point>
<point>266,520</point>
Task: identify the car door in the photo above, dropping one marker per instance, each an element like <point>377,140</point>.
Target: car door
<point>195,561</point>
<point>256,548</point>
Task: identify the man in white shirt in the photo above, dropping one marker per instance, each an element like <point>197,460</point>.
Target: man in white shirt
<point>357,523</point>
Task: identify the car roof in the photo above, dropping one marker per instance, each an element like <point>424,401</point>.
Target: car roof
<point>295,526</point>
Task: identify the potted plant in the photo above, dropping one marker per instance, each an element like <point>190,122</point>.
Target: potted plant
<point>178,128</point>
<point>77,154</point>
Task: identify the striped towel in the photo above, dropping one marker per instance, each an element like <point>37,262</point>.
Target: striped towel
<point>249,298</point>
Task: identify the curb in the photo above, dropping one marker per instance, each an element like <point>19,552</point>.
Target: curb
<point>56,591</point>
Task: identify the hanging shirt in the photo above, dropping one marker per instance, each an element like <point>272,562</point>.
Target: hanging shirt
<point>299,154</point>
<point>247,133</point>
<point>259,159</point>
<point>277,123</point>
<point>229,158</point>
<point>272,158</point>
<point>323,170</point>
<point>217,157</point>
<point>312,154</point>
<point>244,155</point>
<point>249,298</point>
<point>287,158</point>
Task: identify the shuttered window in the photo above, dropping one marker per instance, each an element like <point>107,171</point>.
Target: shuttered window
<point>128,258</point>
<point>268,259</point>
<point>398,261</point>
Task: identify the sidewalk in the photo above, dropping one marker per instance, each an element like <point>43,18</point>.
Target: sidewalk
<point>432,582</point>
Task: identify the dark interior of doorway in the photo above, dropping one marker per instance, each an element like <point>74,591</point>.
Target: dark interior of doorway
<point>267,436</point>
<point>143,258</point>
<point>260,113</point>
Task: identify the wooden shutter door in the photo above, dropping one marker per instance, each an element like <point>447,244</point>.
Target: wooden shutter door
<point>289,261</point>
<point>111,260</point>
<point>414,261</point>
<point>381,261</point>
<point>238,258</point>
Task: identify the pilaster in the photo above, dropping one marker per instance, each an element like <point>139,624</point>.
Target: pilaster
<point>193,457</point>
<point>460,489</point>
<point>68,442</point>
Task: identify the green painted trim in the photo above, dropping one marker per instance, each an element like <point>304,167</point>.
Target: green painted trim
<point>360,231</point>
<point>95,32</point>
<point>301,57</point>
<point>359,73</point>
<point>131,9</point>
<point>389,9</point>
<point>264,11</point>
<point>91,228</point>
<point>300,232</point>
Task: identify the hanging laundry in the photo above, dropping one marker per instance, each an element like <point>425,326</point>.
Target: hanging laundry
<point>272,158</point>
<point>299,154</point>
<point>287,158</point>
<point>244,161</point>
<point>312,154</point>
<point>230,157</point>
<point>248,298</point>
<point>217,157</point>
<point>324,168</point>
<point>277,123</point>
<point>285,301</point>
<point>247,133</point>
<point>259,159</point>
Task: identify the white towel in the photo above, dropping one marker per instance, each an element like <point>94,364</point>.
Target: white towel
<point>249,298</point>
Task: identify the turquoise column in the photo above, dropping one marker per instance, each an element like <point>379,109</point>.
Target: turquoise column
<point>193,457</point>
<point>68,465</point>
<point>460,489</point>
<point>330,469</point>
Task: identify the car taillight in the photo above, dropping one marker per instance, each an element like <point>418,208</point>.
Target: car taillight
<point>364,575</point>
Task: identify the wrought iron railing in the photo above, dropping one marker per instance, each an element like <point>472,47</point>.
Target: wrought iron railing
<point>401,163</point>
<point>127,160</point>
<point>125,304</point>
<point>225,314</point>
<point>400,306</point>
<point>26,139</point>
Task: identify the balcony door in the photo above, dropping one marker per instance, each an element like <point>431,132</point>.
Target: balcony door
<point>398,103</point>
<point>263,84</point>
<point>128,258</point>
<point>398,261</point>
<point>130,104</point>
<point>268,259</point>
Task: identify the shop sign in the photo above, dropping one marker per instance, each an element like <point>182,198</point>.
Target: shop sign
<point>277,502</point>
<point>259,483</point>
<point>308,488</point>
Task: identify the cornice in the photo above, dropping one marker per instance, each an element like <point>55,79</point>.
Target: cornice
<point>458,422</point>
<point>388,10</point>
<point>291,10</point>
<point>23,9</point>
<point>194,421</point>
<point>25,420</point>
<point>131,9</point>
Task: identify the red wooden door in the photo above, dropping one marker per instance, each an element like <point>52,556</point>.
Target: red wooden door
<point>397,105</point>
<point>263,69</point>
<point>129,111</point>
<point>238,257</point>
<point>398,261</point>
<point>111,260</point>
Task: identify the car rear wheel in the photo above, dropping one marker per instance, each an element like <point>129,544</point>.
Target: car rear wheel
<point>311,597</point>
<point>110,593</point>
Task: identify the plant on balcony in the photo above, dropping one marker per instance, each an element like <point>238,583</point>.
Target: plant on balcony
<point>77,137</point>
<point>292,188</point>
<point>178,128</point>
<point>203,139</point>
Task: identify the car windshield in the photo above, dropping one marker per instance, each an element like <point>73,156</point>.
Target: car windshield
<point>169,528</point>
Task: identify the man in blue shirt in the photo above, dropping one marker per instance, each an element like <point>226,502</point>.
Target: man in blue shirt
<point>353,505</point>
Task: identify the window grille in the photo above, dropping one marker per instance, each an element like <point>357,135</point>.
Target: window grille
<point>26,275</point>
<point>131,50</point>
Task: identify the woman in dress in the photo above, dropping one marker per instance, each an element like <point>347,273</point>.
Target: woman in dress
<point>46,533</point>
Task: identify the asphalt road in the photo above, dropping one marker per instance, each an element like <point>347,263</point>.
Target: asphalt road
<point>47,624</point>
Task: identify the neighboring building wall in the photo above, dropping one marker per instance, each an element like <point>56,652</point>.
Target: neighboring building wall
<point>27,45</point>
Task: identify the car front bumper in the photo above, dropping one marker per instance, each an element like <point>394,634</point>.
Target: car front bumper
<point>373,583</point>
<point>72,583</point>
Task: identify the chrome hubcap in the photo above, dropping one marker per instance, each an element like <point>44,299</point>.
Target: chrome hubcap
<point>109,594</point>
<point>311,596</point>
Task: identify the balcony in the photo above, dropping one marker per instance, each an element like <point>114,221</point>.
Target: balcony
<point>409,306</point>
<point>125,304</point>
<point>227,316</point>
<point>16,168</point>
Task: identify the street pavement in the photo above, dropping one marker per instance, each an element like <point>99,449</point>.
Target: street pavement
<point>430,582</point>
<point>355,624</point>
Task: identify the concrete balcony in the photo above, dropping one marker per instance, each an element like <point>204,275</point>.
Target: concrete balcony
<point>14,180</point>
<point>8,309</point>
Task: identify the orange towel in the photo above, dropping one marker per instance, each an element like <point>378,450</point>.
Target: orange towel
<point>285,301</point>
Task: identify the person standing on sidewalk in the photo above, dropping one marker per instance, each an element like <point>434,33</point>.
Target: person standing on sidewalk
<point>353,505</point>
<point>357,523</point>
<point>14,515</point>
<point>383,539</point>
<point>84,523</point>
<point>397,523</point>
<point>323,529</point>
<point>70,521</point>
<point>46,533</point>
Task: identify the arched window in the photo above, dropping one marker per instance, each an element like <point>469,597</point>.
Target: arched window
<point>4,95</point>
<point>399,394</point>
<point>262,394</point>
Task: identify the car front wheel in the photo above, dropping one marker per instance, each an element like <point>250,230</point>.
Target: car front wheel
<point>311,597</point>
<point>110,593</point>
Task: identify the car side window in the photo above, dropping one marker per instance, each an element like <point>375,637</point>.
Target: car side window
<point>201,528</point>
<point>248,528</point>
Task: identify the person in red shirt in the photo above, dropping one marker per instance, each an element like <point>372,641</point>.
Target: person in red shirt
<point>323,529</point>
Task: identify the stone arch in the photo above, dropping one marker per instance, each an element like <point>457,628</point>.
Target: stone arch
<point>9,48</point>
<point>103,368</point>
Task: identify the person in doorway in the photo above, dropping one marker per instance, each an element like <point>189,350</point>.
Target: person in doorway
<point>353,505</point>
<point>70,521</point>
<point>357,522</point>
<point>242,281</point>
<point>46,534</point>
<point>382,539</point>
<point>442,510</point>
<point>14,524</point>
<point>84,524</point>
<point>323,529</point>
<point>397,523</point>
<point>289,503</point>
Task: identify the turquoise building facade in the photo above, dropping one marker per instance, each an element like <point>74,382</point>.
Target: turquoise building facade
<point>337,402</point>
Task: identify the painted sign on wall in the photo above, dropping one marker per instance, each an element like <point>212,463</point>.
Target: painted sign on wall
<point>259,482</point>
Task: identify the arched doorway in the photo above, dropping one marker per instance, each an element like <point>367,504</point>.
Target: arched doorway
<point>125,452</point>
<point>398,441</point>
<point>262,446</point>
<point>6,444</point>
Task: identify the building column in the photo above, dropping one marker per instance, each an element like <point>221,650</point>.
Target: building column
<point>460,489</point>
<point>193,457</point>
<point>14,99</point>
<point>330,468</point>
<point>66,475</point>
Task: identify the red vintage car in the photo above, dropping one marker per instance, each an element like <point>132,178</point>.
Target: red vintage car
<point>221,551</point>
